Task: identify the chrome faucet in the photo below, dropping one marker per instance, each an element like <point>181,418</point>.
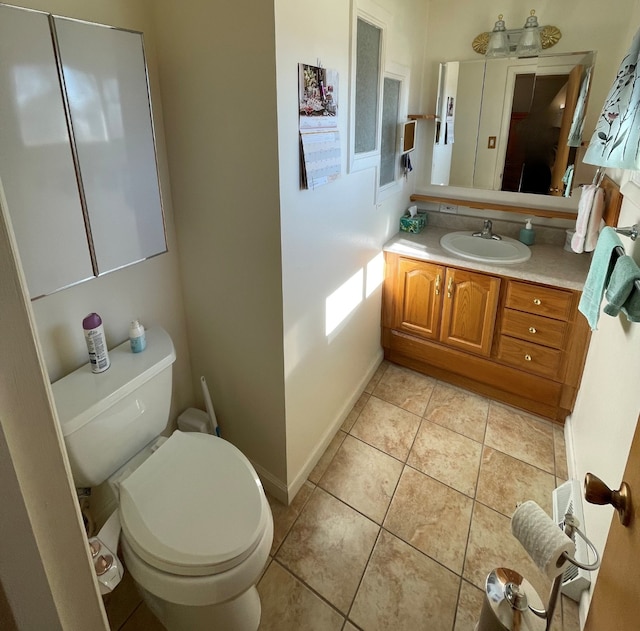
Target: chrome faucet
<point>486,232</point>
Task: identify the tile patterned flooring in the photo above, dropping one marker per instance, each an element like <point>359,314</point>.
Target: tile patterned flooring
<point>404,515</point>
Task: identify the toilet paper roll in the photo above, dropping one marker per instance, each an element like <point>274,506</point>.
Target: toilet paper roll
<point>541,538</point>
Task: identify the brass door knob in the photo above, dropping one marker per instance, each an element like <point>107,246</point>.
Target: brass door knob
<point>597,492</point>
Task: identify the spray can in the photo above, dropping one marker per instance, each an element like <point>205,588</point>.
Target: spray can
<point>96,343</point>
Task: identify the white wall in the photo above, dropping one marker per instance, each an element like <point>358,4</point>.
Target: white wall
<point>217,70</point>
<point>260,256</point>
<point>331,233</point>
<point>585,25</point>
<point>601,428</point>
<point>149,290</point>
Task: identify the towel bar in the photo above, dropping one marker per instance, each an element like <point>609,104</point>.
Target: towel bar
<point>631,231</point>
<point>619,250</point>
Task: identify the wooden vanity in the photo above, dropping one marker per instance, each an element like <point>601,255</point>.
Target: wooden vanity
<point>512,333</point>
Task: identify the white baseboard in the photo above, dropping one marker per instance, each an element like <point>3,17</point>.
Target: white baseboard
<point>286,493</point>
<point>272,485</point>
<point>572,467</point>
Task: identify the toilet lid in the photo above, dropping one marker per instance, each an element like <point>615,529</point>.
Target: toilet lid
<point>195,507</point>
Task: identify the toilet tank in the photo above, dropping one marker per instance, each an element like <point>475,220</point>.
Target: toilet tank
<point>107,418</point>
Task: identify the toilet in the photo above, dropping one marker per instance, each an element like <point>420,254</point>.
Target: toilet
<point>196,527</point>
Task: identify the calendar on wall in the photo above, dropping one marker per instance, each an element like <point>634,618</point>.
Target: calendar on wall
<point>320,154</point>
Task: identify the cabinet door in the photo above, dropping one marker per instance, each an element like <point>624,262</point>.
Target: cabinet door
<point>469,310</point>
<point>36,164</point>
<point>419,300</point>
<point>106,86</point>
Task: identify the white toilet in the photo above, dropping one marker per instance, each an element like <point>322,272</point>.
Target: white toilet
<point>196,525</point>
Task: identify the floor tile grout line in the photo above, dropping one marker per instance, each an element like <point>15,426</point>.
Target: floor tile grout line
<point>364,571</point>
<point>473,506</point>
<point>505,453</point>
<point>455,613</point>
<point>130,616</point>
<point>311,589</point>
<point>440,563</point>
<point>315,486</point>
<point>455,431</point>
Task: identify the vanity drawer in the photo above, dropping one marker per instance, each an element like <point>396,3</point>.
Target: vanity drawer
<point>544,301</point>
<point>534,328</point>
<point>530,357</point>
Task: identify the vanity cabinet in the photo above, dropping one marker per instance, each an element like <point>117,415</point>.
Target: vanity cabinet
<point>515,341</point>
<point>454,306</point>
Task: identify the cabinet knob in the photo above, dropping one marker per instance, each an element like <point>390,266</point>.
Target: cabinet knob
<point>537,301</point>
<point>532,330</point>
<point>450,287</point>
<point>438,280</point>
<point>527,357</point>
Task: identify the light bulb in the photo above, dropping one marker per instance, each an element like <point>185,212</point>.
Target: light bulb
<point>530,44</point>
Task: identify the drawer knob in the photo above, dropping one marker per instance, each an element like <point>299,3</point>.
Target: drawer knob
<point>532,330</point>
<point>537,301</point>
<point>527,357</point>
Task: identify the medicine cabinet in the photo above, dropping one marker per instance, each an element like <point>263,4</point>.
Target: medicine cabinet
<point>77,152</point>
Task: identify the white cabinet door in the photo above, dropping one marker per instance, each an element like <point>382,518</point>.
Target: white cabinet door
<point>36,163</point>
<point>106,85</point>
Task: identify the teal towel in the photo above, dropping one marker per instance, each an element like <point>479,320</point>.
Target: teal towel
<point>600,271</point>
<point>622,293</point>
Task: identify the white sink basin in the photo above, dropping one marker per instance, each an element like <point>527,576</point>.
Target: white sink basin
<point>504,252</point>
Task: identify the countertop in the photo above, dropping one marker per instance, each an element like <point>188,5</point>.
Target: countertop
<point>549,264</point>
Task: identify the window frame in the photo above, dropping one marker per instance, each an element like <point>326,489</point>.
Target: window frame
<point>398,73</point>
<point>377,17</point>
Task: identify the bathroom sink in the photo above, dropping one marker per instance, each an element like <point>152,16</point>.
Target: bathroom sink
<point>506,251</point>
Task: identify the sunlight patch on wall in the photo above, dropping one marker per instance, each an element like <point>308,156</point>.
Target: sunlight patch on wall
<point>343,301</point>
<point>375,274</point>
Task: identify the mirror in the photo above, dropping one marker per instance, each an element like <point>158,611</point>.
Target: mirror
<point>500,123</point>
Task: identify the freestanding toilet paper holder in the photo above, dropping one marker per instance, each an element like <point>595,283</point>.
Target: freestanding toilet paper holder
<point>509,595</point>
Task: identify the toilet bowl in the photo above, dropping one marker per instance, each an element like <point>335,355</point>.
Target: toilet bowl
<point>196,527</point>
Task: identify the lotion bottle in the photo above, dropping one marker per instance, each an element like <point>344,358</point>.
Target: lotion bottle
<point>137,337</point>
<point>527,234</point>
<point>96,343</point>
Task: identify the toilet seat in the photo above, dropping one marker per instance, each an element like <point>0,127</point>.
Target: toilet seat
<point>195,507</point>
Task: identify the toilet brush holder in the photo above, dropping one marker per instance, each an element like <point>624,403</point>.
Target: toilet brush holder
<point>194,420</point>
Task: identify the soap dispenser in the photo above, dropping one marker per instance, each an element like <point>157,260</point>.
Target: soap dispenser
<point>527,234</point>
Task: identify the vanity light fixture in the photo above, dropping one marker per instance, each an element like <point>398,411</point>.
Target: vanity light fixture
<point>520,42</point>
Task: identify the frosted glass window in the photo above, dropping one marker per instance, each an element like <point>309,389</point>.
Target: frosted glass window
<point>367,86</point>
<point>389,130</point>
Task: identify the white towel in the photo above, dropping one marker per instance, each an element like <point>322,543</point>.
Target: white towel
<point>595,221</point>
<point>582,221</point>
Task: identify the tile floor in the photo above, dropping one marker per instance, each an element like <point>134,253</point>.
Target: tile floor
<point>404,515</point>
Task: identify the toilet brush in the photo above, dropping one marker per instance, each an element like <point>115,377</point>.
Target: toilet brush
<point>209,405</point>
